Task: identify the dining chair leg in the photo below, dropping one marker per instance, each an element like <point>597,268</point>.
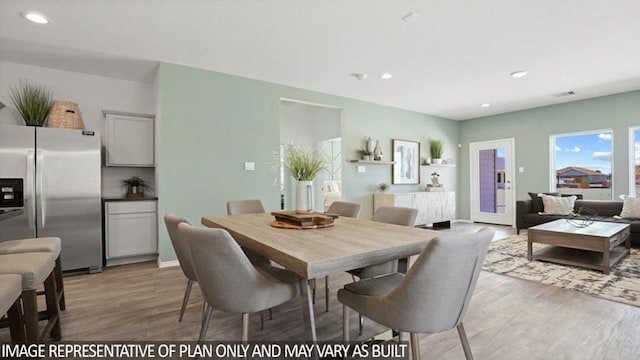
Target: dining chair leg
<point>360,324</point>
<point>205,323</point>
<point>326,293</point>
<point>415,346</point>
<point>308,312</point>
<point>345,323</point>
<point>245,327</point>
<point>465,342</point>
<point>185,299</point>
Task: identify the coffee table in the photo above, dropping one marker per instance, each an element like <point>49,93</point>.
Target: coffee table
<point>598,246</point>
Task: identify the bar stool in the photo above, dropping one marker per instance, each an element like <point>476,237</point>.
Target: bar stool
<point>35,269</point>
<point>10,290</point>
<point>44,244</point>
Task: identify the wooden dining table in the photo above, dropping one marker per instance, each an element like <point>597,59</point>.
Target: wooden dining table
<point>315,253</point>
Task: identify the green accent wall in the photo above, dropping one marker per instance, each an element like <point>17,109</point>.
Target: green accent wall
<point>531,130</point>
<point>211,123</point>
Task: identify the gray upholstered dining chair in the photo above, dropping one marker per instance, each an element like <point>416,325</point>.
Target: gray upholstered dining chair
<point>432,297</point>
<point>183,253</point>
<point>229,281</point>
<point>345,208</point>
<point>253,206</point>
<point>391,215</point>
<point>340,208</point>
<point>238,207</point>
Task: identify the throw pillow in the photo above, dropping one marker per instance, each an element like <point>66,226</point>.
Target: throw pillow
<point>630,208</point>
<point>536,201</point>
<point>555,205</point>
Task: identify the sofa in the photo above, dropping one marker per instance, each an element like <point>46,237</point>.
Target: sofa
<point>526,216</point>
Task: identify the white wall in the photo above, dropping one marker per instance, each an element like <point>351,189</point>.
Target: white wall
<point>93,94</point>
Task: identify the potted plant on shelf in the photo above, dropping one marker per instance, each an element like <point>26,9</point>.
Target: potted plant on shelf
<point>32,101</point>
<point>365,154</point>
<point>436,151</point>
<point>135,187</point>
<point>304,164</point>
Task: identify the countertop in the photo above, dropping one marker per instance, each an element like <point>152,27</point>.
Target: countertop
<point>146,198</point>
<point>8,214</point>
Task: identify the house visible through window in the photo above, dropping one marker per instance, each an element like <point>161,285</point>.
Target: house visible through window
<point>582,164</point>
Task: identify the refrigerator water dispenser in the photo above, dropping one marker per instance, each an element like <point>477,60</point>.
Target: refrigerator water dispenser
<point>11,193</point>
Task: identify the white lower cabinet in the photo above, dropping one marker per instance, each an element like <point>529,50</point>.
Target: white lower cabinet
<point>131,231</point>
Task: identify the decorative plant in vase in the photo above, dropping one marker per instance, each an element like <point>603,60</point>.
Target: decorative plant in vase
<point>434,178</point>
<point>135,187</point>
<point>365,154</point>
<point>32,101</point>
<point>435,146</point>
<point>383,187</point>
<point>304,164</point>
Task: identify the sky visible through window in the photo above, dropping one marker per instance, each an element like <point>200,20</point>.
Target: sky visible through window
<point>636,147</point>
<point>591,151</point>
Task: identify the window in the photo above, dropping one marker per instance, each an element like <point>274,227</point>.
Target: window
<point>581,164</point>
<point>634,159</point>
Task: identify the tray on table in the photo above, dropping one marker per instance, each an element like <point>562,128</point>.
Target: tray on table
<point>294,220</point>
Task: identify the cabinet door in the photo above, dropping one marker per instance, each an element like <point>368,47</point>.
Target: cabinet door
<point>131,234</point>
<point>130,141</point>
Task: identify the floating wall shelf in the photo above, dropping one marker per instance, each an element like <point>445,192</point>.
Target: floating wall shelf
<point>382,162</point>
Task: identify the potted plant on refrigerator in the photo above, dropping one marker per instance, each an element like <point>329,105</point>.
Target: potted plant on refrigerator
<point>135,187</point>
<point>32,101</point>
<point>304,164</point>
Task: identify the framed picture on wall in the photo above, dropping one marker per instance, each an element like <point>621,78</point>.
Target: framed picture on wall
<point>406,162</point>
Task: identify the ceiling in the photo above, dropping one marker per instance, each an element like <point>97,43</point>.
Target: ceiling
<point>456,55</point>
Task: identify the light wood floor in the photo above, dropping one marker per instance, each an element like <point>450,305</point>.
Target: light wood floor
<point>508,318</point>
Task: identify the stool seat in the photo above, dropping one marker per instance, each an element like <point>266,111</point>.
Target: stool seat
<point>10,290</point>
<point>43,244</point>
<point>34,267</point>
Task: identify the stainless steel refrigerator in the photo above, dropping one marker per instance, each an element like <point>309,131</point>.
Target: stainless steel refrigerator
<point>50,186</point>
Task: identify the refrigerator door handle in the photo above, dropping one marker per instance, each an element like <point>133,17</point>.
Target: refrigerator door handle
<point>28,189</point>
<point>41,196</point>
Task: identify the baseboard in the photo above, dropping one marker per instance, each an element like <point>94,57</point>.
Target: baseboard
<point>163,264</point>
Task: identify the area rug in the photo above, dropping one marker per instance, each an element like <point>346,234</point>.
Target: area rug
<point>509,257</point>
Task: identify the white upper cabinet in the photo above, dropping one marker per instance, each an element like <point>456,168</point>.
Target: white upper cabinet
<point>129,139</point>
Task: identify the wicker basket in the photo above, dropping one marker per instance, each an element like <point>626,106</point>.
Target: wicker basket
<point>65,114</point>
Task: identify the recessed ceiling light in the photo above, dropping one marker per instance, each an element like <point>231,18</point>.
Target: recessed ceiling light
<point>518,74</point>
<point>485,105</point>
<point>35,17</point>
<point>386,76</point>
<point>360,76</point>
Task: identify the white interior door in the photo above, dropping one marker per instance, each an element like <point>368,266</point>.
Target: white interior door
<point>492,185</point>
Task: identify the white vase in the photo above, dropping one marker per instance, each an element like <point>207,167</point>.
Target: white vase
<point>304,196</point>
<point>436,161</point>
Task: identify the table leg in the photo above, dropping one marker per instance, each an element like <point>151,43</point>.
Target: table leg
<point>529,248</point>
<point>307,309</point>
<point>605,259</point>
